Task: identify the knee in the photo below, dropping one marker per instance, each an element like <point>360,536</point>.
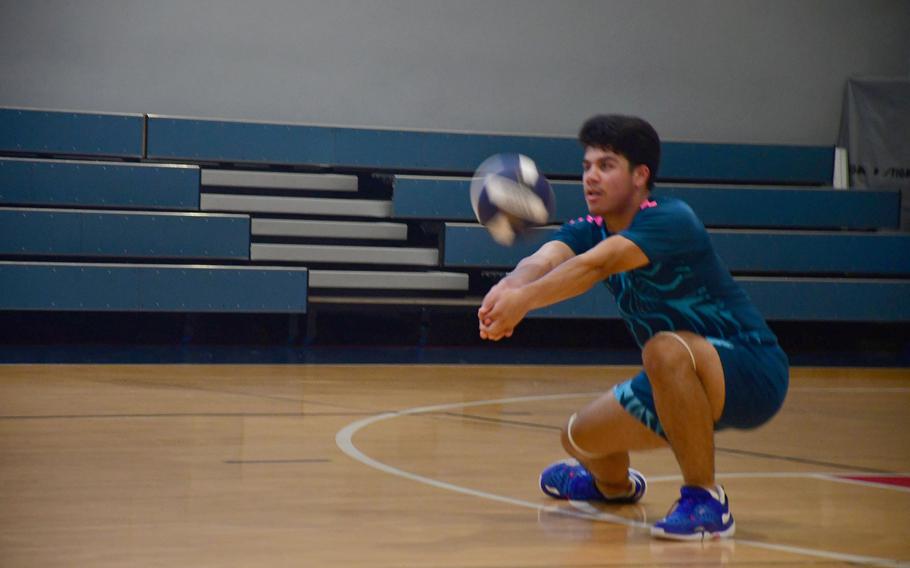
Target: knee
<point>663,357</point>
<point>570,443</point>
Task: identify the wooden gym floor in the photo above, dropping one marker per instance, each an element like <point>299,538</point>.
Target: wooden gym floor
<point>431,466</point>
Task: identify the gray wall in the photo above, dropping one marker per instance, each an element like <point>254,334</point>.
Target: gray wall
<point>706,70</point>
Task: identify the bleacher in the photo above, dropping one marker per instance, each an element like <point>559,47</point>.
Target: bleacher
<point>800,253</point>
<point>146,213</point>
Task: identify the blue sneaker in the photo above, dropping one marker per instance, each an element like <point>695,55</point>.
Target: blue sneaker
<point>568,479</point>
<point>697,515</point>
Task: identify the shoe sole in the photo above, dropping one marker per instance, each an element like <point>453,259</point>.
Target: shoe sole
<point>704,535</point>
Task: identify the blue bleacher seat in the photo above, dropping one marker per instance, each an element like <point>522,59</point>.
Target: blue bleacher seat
<point>130,212</point>
<point>70,183</point>
<point>792,257</point>
<point>56,286</point>
<point>745,252</point>
<point>117,234</point>
<point>788,299</point>
<point>174,138</point>
<point>31,131</point>
<point>442,198</point>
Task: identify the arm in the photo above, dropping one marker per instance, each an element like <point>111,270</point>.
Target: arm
<point>547,257</point>
<point>571,278</point>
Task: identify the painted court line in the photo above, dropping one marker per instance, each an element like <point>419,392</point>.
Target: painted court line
<point>876,485</point>
<point>344,440</point>
<point>822,475</point>
<point>852,389</point>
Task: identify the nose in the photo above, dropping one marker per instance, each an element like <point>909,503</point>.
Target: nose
<point>590,176</point>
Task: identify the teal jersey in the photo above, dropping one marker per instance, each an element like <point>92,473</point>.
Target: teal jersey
<point>685,287</point>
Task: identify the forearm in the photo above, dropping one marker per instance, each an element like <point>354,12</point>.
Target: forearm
<point>547,257</point>
<point>506,305</point>
<point>571,278</point>
<point>527,271</point>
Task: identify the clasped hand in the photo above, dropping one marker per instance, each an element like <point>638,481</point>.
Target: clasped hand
<point>502,309</point>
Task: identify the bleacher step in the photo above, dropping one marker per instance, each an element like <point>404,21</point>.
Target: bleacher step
<point>296,205</point>
<point>278,180</point>
<point>329,229</point>
<point>397,301</point>
<point>344,254</point>
<point>387,280</point>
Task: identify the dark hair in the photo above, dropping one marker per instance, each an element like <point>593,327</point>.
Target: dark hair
<point>629,136</point>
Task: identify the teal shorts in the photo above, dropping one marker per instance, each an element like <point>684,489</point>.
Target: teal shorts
<point>756,377</point>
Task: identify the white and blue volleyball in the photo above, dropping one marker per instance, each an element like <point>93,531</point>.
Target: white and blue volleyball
<point>510,195</point>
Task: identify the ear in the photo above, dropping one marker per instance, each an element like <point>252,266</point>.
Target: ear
<point>640,175</point>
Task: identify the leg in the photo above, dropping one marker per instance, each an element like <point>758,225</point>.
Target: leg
<point>602,434</point>
<point>599,437</point>
<point>687,379</point>
<point>689,393</point>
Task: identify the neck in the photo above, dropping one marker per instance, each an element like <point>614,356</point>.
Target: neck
<point>620,220</point>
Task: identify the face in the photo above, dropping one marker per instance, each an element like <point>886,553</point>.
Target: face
<point>610,186</point>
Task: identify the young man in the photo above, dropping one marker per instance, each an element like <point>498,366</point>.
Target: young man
<point>710,361</point>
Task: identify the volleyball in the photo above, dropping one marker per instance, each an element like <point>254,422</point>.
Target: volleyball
<point>510,196</point>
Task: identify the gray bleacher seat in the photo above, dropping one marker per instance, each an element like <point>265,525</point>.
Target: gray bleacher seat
<point>388,280</point>
<point>296,205</point>
<point>344,254</point>
<point>304,228</point>
<point>278,180</point>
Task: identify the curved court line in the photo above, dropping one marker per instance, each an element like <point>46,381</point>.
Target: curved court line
<point>344,440</point>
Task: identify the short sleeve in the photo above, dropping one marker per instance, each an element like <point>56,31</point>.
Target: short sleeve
<point>579,234</point>
<point>667,228</point>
